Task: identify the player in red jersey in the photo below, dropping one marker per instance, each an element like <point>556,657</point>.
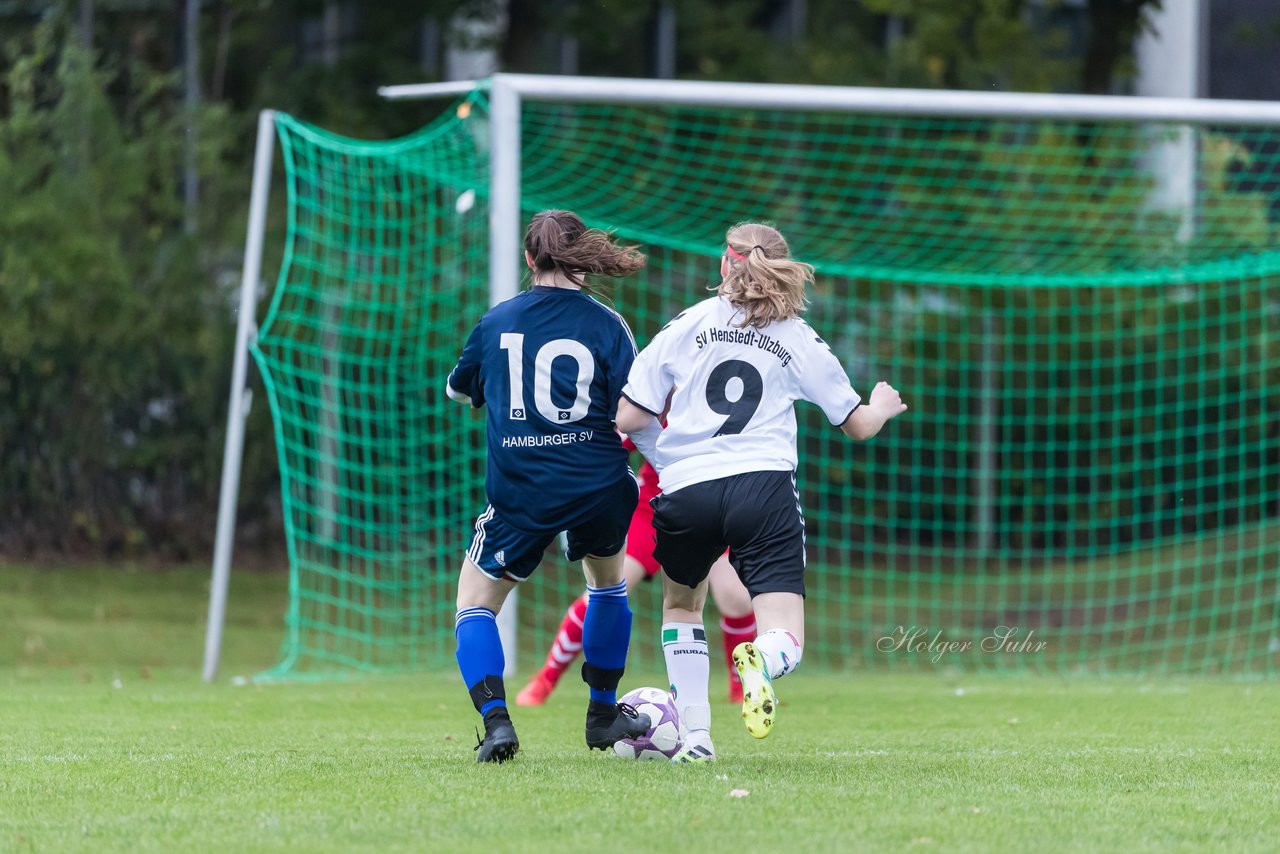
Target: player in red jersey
<point>737,622</point>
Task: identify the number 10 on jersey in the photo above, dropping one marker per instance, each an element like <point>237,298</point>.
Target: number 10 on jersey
<point>543,363</point>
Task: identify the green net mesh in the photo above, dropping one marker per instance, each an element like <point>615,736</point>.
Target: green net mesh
<point>1088,338</point>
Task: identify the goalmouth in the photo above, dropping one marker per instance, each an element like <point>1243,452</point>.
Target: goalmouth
<point>983,220</point>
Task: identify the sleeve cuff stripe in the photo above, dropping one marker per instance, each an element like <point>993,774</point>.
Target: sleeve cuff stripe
<point>641,405</point>
<point>454,394</point>
<point>850,415</point>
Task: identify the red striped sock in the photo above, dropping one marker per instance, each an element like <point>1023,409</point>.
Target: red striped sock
<point>568,642</point>
<point>736,630</point>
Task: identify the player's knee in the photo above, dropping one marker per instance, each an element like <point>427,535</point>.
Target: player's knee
<point>677,597</point>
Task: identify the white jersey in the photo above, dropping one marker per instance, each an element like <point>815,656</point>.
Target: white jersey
<point>733,390</point>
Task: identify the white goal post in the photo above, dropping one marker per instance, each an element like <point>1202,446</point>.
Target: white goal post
<point>506,94</point>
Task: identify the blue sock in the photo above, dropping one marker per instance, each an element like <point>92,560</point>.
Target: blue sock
<point>606,634</point>
<point>480,657</point>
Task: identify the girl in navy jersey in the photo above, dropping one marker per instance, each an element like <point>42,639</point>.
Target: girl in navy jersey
<point>732,368</point>
<point>737,622</point>
<point>550,364</point>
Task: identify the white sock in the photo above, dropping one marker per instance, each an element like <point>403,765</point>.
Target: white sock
<point>780,649</point>
<point>684,646</point>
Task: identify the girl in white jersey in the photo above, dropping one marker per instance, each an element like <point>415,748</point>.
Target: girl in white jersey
<point>728,372</point>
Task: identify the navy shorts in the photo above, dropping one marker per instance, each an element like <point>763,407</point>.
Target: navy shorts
<point>504,551</point>
<point>756,514</point>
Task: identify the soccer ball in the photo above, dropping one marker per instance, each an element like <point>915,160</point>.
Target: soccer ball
<point>662,741</point>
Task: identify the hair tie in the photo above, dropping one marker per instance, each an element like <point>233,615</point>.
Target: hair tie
<point>758,246</point>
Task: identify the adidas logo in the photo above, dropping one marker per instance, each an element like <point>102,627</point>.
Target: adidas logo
<point>501,557</point>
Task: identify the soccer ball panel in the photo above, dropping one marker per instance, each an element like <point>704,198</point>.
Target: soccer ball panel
<point>662,741</point>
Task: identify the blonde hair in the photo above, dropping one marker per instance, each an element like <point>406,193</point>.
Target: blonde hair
<point>762,279</point>
<point>559,241</point>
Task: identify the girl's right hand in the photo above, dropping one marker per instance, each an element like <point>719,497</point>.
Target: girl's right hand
<point>887,401</point>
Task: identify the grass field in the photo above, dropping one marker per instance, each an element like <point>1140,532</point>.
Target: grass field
<point>109,742</point>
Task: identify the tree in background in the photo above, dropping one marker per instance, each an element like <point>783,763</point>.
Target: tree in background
<point>113,332</point>
<point>1114,27</point>
<point>117,327</point>
<point>968,44</point>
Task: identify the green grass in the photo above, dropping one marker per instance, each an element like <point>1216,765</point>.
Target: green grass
<point>109,742</point>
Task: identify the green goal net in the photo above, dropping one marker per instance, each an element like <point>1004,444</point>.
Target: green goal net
<point>1088,337</point>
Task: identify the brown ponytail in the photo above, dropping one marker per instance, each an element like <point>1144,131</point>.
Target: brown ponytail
<point>559,242</point>
<point>763,280</point>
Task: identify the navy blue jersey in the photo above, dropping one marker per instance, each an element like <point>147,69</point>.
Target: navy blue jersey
<point>550,363</point>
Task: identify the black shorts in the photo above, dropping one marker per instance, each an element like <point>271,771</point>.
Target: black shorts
<point>756,514</point>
